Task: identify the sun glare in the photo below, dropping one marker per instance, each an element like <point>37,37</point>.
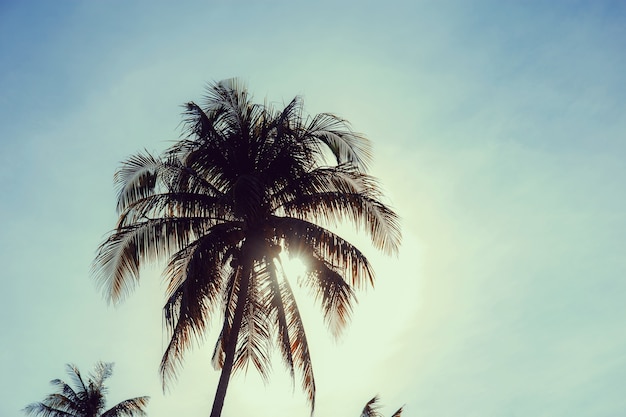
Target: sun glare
<point>294,268</point>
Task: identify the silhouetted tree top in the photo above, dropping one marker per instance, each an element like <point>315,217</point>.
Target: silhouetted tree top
<point>372,408</point>
<point>246,183</point>
<point>87,398</point>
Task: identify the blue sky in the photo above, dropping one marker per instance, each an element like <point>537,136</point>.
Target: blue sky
<point>499,134</point>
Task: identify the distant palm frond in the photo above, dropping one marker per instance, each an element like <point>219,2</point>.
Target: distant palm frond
<point>372,409</point>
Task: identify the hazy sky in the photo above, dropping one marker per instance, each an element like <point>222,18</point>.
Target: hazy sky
<point>499,131</point>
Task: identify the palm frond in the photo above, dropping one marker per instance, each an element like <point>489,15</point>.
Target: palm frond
<point>230,99</point>
<point>184,332</point>
<point>136,179</point>
<point>181,204</point>
<point>229,304</point>
<point>74,373</point>
<point>254,334</point>
<point>88,400</point>
<point>196,121</point>
<point>182,177</point>
<point>179,192</point>
<point>209,159</point>
<point>335,295</point>
<point>332,195</point>
<point>200,264</point>
<point>42,410</point>
<point>299,344</point>
<point>235,296</point>
<point>195,280</point>
<point>102,371</point>
<point>244,180</point>
<point>66,393</point>
<point>128,408</point>
<point>304,239</point>
<point>60,401</point>
<point>345,144</point>
<point>379,221</point>
<point>117,263</point>
<point>274,300</point>
<point>371,408</point>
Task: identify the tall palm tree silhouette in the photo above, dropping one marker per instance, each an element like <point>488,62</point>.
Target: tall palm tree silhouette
<point>86,399</point>
<point>246,183</point>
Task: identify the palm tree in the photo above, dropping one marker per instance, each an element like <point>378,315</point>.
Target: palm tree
<point>247,183</point>
<point>86,399</point>
<point>372,407</point>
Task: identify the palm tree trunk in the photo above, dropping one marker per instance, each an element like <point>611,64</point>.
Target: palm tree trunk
<point>231,345</point>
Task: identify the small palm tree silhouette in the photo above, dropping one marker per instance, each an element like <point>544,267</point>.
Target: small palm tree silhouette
<point>86,399</point>
<point>372,407</point>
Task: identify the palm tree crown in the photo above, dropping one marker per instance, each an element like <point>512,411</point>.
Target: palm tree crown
<point>246,183</point>
<point>372,408</point>
<point>86,399</point>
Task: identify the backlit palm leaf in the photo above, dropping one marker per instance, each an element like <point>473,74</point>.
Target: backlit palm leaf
<point>128,408</point>
<point>346,146</point>
<point>299,345</point>
<point>372,408</point>
<point>279,315</point>
<point>307,240</point>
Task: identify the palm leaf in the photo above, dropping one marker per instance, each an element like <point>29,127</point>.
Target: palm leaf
<point>228,310</point>
<point>61,402</point>
<point>335,295</point>
<point>371,408</point>
<point>88,400</point>
<point>66,394</point>
<point>336,134</point>
<point>118,260</point>
<point>299,344</point>
<point>128,408</point>
<point>254,333</point>
<point>194,286</point>
<point>277,308</point>
<point>136,179</point>
<point>43,410</point>
<point>102,371</point>
<point>304,239</point>
<point>333,195</point>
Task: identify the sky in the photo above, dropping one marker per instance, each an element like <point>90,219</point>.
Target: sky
<point>499,136</point>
